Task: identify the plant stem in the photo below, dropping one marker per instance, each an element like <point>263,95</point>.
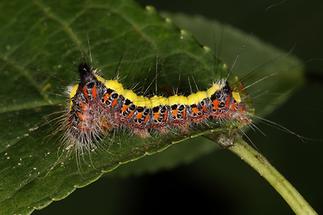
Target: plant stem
<point>259,163</point>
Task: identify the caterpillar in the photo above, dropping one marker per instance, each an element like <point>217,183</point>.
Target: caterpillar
<point>97,106</point>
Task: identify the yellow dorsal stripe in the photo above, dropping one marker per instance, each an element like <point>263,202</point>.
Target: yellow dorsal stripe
<point>114,85</point>
<point>176,99</point>
<point>158,100</point>
<point>236,96</point>
<point>129,94</point>
<point>72,92</point>
<point>102,80</point>
<point>215,87</point>
<point>154,101</point>
<point>195,98</point>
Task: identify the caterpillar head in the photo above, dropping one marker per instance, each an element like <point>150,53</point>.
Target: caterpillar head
<point>82,125</point>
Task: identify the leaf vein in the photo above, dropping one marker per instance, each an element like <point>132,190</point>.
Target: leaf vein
<point>65,26</point>
<point>27,74</point>
<point>126,19</point>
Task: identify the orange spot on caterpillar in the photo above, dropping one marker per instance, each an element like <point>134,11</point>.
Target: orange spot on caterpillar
<point>227,101</point>
<point>124,108</point>
<point>146,119</point>
<point>131,114</point>
<point>106,97</point>
<point>174,112</point>
<point>195,110</point>
<point>204,108</point>
<point>85,92</point>
<point>156,116</point>
<point>216,104</point>
<point>114,102</point>
<point>94,92</point>
<point>139,115</point>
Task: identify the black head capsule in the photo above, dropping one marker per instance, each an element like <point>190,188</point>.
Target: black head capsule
<point>86,74</point>
<point>226,89</point>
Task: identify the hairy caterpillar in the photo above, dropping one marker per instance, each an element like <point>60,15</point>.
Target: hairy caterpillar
<point>97,106</point>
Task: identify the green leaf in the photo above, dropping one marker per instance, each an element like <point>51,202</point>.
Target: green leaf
<point>41,43</point>
<point>182,153</point>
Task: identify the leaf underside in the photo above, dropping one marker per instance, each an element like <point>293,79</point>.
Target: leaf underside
<point>41,44</point>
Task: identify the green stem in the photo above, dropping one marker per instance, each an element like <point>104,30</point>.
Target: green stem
<point>259,163</point>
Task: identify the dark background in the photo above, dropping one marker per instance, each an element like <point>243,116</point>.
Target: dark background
<point>220,183</point>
